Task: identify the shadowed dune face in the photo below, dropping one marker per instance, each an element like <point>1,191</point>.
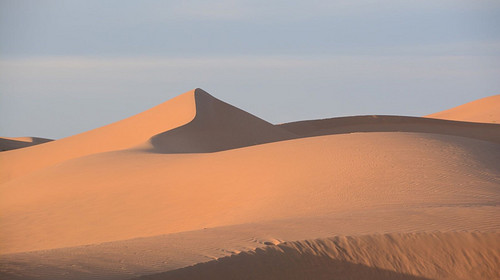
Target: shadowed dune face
<point>481,131</point>
<point>276,265</point>
<point>485,110</point>
<point>415,256</point>
<point>12,143</point>
<point>217,126</point>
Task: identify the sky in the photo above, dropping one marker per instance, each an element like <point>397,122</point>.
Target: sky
<point>68,66</point>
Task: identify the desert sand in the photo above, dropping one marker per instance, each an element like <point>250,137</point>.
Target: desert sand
<point>484,110</point>
<point>195,188</point>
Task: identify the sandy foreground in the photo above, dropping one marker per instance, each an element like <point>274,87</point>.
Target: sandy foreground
<point>195,188</point>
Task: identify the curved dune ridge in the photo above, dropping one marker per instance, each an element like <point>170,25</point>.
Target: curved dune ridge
<point>379,123</point>
<point>12,143</point>
<point>196,179</point>
<point>116,136</point>
<point>192,122</point>
<point>453,255</point>
<point>127,194</point>
<point>217,126</point>
<point>485,110</point>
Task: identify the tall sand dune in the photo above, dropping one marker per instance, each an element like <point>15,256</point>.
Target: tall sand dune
<point>12,143</point>
<point>217,126</point>
<point>116,136</point>
<point>204,124</point>
<point>485,110</point>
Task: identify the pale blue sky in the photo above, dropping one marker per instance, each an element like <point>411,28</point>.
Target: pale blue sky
<point>69,66</point>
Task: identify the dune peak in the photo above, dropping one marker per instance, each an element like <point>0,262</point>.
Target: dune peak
<point>216,126</point>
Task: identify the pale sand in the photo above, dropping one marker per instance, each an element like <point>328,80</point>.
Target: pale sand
<point>12,143</point>
<point>206,180</point>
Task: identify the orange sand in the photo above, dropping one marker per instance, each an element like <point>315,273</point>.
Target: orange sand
<point>197,179</point>
<point>485,110</point>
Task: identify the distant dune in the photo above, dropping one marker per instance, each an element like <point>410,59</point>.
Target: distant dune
<point>377,123</point>
<point>196,179</point>
<point>12,143</point>
<point>485,110</point>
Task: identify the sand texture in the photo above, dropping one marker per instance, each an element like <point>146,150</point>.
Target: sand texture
<point>198,189</point>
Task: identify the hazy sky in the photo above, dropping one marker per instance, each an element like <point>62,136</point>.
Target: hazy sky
<point>70,66</point>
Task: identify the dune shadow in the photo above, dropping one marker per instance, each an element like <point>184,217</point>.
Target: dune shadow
<point>7,144</point>
<point>217,126</point>
<point>206,136</point>
<point>382,123</point>
<point>283,263</point>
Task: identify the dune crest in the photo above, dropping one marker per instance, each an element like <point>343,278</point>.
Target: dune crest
<point>410,256</point>
<point>379,123</point>
<point>116,136</point>
<point>485,110</point>
<point>217,126</point>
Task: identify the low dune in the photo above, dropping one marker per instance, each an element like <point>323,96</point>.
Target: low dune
<point>485,110</point>
<point>12,143</point>
<point>127,194</point>
<point>393,256</point>
<point>196,179</point>
<point>131,258</point>
<point>377,123</point>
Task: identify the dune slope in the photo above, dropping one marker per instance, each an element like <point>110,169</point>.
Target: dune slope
<point>192,122</point>
<point>451,255</point>
<point>217,126</point>
<point>131,258</point>
<point>377,123</point>
<point>127,194</point>
<point>485,110</point>
<point>116,136</point>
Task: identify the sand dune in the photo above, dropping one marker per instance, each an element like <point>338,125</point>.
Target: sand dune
<point>485,110</point>
<point>377,123</point>
<point>217,126</point>
<point>392,256</point>
<point>127,194</point>
<point>116,136</point>
<point>192,122</point>
<point>12,143</point>
<point>151,255</point>
<point>195,179</point>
